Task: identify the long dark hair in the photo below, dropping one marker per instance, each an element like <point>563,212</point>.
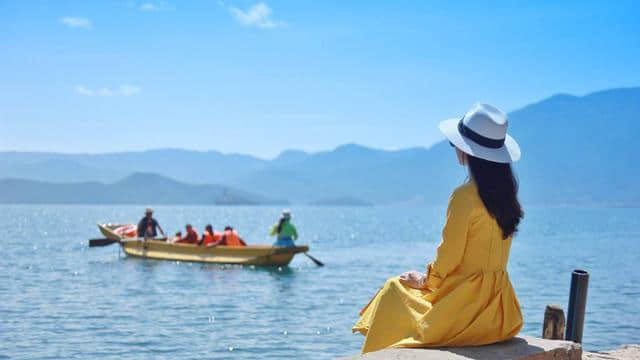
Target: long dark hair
<point>498,189</point>
<point>281,223</point>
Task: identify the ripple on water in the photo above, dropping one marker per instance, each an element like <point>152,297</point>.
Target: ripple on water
<point>60,299</point>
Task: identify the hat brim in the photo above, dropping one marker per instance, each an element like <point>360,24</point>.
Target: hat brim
<point>508,153</point>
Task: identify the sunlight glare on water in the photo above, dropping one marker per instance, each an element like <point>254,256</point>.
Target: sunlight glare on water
<point>60,299</point>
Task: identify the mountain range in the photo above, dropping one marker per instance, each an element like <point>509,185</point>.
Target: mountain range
<point>138,188</point>
<point>576,150</point>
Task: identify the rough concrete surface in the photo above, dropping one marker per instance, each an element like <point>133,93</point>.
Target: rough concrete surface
<point>521,347</point>
<point>626,352</point>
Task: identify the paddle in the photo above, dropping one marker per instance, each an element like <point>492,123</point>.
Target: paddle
<point>316,261</point>
<point>101,242</point>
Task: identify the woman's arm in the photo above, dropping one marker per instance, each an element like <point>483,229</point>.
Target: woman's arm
<point>454,239</point>
<point>451,248</point>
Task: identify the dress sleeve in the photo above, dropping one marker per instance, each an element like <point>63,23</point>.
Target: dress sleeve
<point>274,230</point>
<point>295,232</point>
<point>454,240</point>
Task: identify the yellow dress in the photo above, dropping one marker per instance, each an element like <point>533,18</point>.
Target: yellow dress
<point>468,299</point>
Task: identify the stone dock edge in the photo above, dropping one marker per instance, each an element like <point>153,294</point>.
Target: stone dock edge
<point>520,347</point>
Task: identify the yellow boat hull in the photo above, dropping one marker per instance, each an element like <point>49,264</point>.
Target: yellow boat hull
<point>262,255</point>
<point>244,255</point>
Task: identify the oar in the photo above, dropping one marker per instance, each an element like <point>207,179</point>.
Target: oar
<point>101,242</point>
<point>318,262</point>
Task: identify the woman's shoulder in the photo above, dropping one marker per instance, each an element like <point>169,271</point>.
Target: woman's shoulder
<point>467,190</point>
<point>466,196</point>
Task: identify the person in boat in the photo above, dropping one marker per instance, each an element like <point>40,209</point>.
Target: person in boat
<point>210,237</point>
<point>465,296</point>
<point>230,237</point>
<point>284,230</point>
<point>177,237</point>
<point>148,225</point>
<point>191,236</point>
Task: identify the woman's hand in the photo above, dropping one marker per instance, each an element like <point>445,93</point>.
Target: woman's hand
<point>414,279</point>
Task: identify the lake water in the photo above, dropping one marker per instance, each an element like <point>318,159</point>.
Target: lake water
<point>60,299</point>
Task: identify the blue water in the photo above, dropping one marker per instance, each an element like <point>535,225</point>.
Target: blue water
<point>60,299</point>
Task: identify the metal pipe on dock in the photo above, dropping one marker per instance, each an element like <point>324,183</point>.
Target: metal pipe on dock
<point>577,305</point>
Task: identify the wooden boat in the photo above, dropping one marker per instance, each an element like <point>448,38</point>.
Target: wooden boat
<point>263,255</point>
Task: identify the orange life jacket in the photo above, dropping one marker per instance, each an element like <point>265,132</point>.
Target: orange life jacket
<point>209,238</point>
<point>231,238</point>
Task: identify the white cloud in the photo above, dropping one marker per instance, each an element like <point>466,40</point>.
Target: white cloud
<point>155,6</point>
<point>84,91</point>
<point>123,90</point>
<point>258,15</point>
<point>129,90</point>
<point>76,22</point>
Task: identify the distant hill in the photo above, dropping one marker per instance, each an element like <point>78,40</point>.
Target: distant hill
<point>200,167</point>
<point>139,188</point>
<point>580,149</point>
<point>576,150</point>
<point>354,171</point>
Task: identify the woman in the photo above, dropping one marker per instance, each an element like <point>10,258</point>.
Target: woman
<point>284,230</point>
<point>465,297</point>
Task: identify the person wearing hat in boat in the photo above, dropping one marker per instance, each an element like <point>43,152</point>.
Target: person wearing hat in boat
<point>284,230</point>
<point>191,236</point>
<point>147,226</point>
<point>465,296</point>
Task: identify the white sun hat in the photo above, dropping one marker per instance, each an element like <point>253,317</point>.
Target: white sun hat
<point>482,132</point>
<point>286,213</point>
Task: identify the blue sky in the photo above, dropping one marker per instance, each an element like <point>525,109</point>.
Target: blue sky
<point>259,77</point>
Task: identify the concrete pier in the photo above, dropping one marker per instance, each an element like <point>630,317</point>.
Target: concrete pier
<point>521,347</point>
<point>626,352</point>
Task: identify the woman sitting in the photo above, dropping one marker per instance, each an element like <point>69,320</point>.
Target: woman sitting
<point>465,297</point>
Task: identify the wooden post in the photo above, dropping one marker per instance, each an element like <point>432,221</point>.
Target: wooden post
<point>553,326</point>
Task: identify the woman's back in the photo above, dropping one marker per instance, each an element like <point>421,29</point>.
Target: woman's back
<point>284,231</point>
<point>485,249</point>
